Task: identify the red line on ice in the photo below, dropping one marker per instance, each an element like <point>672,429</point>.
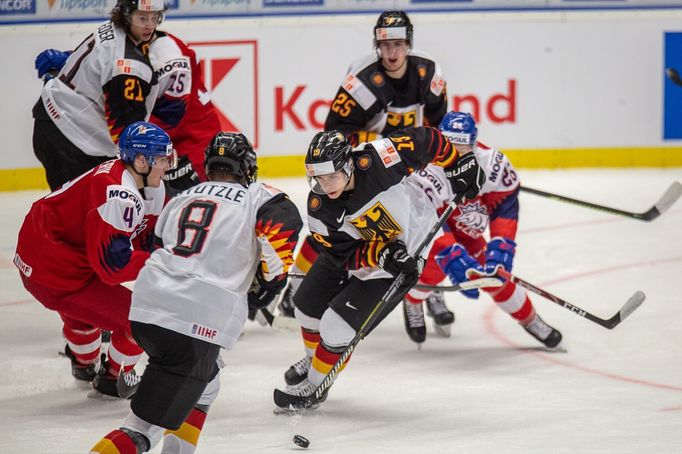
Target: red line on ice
<point>490,327</point>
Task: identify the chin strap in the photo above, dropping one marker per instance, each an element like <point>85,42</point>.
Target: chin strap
<point>144,179</point>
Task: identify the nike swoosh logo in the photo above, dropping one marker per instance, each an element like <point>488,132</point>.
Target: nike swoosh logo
<point>340,218</point>
<point>348,304</point>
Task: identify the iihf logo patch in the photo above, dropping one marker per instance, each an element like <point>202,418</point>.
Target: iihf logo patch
<point>203,331</point>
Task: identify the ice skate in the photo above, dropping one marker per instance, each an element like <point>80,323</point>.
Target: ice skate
<point>104,384</point>
<point>414,321</point>
<point>127,383</point>
<point>442,317</point>
<point>298,371</point>
<point>82,372</point>
<point>544,333</point>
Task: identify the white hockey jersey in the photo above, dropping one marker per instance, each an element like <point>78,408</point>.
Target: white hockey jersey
<point>497,199</point>
<point>106,84</point>
<point>214,235</point>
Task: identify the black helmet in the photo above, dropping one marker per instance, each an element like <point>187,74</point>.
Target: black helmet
<point>231,152</point>
<point>393,25</point>
<point>328,152</point>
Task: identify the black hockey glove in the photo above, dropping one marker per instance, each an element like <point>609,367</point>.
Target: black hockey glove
<point>263,292</point>
<point>183,177</point>
<point>466,177</point>
<point>395,259</point>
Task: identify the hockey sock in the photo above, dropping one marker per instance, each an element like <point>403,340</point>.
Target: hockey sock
<point>122,350</point>
<point>415,296</point>
<point>184,439</point>
<point>84,344</point>
<point>310,341</point>
<point>514,301</point>
<point>324,359</point>
<point>121,441</point>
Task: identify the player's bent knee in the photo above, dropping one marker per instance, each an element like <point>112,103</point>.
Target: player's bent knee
<point>165,399</point>
<point>306,321</point>
<point>334,330</point>
<point>151,431</point>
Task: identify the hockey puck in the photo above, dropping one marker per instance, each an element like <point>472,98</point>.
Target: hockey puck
<point>301,441</point>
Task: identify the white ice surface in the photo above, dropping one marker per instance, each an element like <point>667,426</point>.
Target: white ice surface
<point>487,389</point>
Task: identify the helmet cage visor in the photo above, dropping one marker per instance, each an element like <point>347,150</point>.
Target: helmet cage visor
<point>313,171</point>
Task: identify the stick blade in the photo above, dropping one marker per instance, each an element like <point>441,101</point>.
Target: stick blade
<point>633,303</point>
<point>290,402</point>
<point>669,197</point>
<point>285,324</point>
<point>628,308</point>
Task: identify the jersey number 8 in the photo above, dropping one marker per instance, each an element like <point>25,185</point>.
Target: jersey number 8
<point>195,221</point>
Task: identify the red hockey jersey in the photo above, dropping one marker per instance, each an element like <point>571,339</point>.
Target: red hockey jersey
<point>96,225</point>
<point>183,109</point>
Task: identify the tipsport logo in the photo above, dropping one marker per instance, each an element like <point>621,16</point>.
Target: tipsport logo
<point>219,3</point>
<point>17,7</point>
<point>100,5</point>
<point>80,5</point>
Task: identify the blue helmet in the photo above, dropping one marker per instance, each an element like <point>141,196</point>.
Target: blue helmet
<point>148,140</point>
<point>459,128</point>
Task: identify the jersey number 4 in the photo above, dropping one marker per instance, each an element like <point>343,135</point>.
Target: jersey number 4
<point>194,225</point>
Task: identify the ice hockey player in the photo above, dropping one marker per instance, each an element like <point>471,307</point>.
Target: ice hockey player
<point>392,88</point>
<point>368,218</point>
<point>106,84</point>
<point>494,211</point>
<point>183,107</point>
<point>219,239</point>
<point>79,243</point>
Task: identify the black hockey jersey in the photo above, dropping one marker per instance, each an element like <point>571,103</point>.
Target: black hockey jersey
<point>370,101</point>
<point>385,205</point>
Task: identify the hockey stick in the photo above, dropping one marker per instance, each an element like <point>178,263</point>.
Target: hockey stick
<point>674,76</point>
<point>628,308</point>
<point>292,402</point>
<point>282,324</point>
<point>668,198</point>
<point>466,285</point>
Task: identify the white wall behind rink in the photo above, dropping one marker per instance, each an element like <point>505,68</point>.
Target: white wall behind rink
<point>540,80</point>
